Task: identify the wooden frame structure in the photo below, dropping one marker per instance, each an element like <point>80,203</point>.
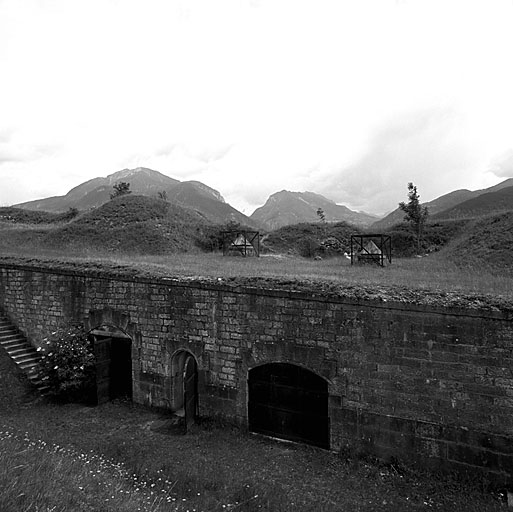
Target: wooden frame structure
<point>241,242</point>
<point>372,248</point>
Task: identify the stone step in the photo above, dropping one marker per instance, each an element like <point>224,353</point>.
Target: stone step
<point>13,345</point>
<point>22,353</point>
<point>26,358</point>
<point>12,336</point>
<point>25,355</point>
<point>20,348</point>
<point>27,366</point>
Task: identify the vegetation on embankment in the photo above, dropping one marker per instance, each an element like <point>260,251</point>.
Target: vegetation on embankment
<point>140,225</point>
<point>13,215</point>
<point>427,281</point>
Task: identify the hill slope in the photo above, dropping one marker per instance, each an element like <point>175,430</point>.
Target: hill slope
<point>128,224</point>
<point>285,208</point>
<point>440,204</point>
<point>209,203</point>
<point>484,204</point>
<point>487,244</point>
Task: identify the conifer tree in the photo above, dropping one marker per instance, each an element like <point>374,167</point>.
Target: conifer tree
<point>415,214</point>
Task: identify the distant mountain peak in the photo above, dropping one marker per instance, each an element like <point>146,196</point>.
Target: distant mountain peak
<point>285,207</point>
<point>127,173</point>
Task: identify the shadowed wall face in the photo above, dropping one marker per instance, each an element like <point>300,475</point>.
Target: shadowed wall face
<point>426,385</point>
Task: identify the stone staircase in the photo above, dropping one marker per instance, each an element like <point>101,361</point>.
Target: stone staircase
<point>21,352</point>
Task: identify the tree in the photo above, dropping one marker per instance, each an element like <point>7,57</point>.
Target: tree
<point>121,189</point>
<point>322,218</point>
<point>162,195</point>
<point>416,214</point>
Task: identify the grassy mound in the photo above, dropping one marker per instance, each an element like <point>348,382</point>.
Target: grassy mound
<point>436,236</point>
<point>14,215</point>
<point>312,239</point>
<point>309,239</point>
<point>486,243</point>
<point>128,224</point>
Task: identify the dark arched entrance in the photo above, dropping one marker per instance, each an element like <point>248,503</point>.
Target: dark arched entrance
<point>288,402</point>
<point>113,353</point>
<point>184,382</point>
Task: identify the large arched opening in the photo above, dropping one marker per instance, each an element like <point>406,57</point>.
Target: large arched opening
<point>184,386</point>
<point>289,402</point>
<point>112,349</point>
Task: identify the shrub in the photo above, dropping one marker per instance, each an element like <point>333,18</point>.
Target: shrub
<point>309,247</point>
<point>68,364</point>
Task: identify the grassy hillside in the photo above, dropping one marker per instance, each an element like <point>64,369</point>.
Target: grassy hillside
<point>12,215</point>
<point>131,224</point>
<point>436,236</point>
<point>485,204</point>
<point>325,239</point>
<point>311,239</point>
<point>128,224</point>
<point>485,244</point>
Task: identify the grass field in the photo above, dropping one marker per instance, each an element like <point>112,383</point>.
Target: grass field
<point>432,273</point>
<point>120,457</point>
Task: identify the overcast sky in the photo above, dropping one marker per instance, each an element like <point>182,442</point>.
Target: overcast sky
<point>348,98</point>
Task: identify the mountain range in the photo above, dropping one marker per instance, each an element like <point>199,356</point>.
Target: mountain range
<point>281,209</point>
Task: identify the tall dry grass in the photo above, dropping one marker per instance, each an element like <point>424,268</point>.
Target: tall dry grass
<point>433,273</point>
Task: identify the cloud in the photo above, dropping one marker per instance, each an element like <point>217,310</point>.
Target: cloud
<point>14,153</point>
<point>427,147</point>
<point>202,152</point>
<point>502,166</point>
<point>15,148</point>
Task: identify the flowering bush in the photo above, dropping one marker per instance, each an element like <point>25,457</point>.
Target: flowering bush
<point>68,365</point>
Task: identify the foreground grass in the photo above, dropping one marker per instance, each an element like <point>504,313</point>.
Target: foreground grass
<point>123,457</point>
<point>37,476</point>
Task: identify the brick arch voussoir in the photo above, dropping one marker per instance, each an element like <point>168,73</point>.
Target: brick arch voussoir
<point>283,356</point>
<point>112,317</point>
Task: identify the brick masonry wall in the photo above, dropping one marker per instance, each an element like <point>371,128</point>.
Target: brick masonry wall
<point>426,385</point>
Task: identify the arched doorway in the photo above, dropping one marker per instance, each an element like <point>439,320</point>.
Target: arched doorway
<point>184,386</point>
<point>288,402</point>
<point>113,353</point>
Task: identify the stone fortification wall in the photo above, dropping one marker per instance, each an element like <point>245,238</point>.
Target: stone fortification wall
<point>414,382</point>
